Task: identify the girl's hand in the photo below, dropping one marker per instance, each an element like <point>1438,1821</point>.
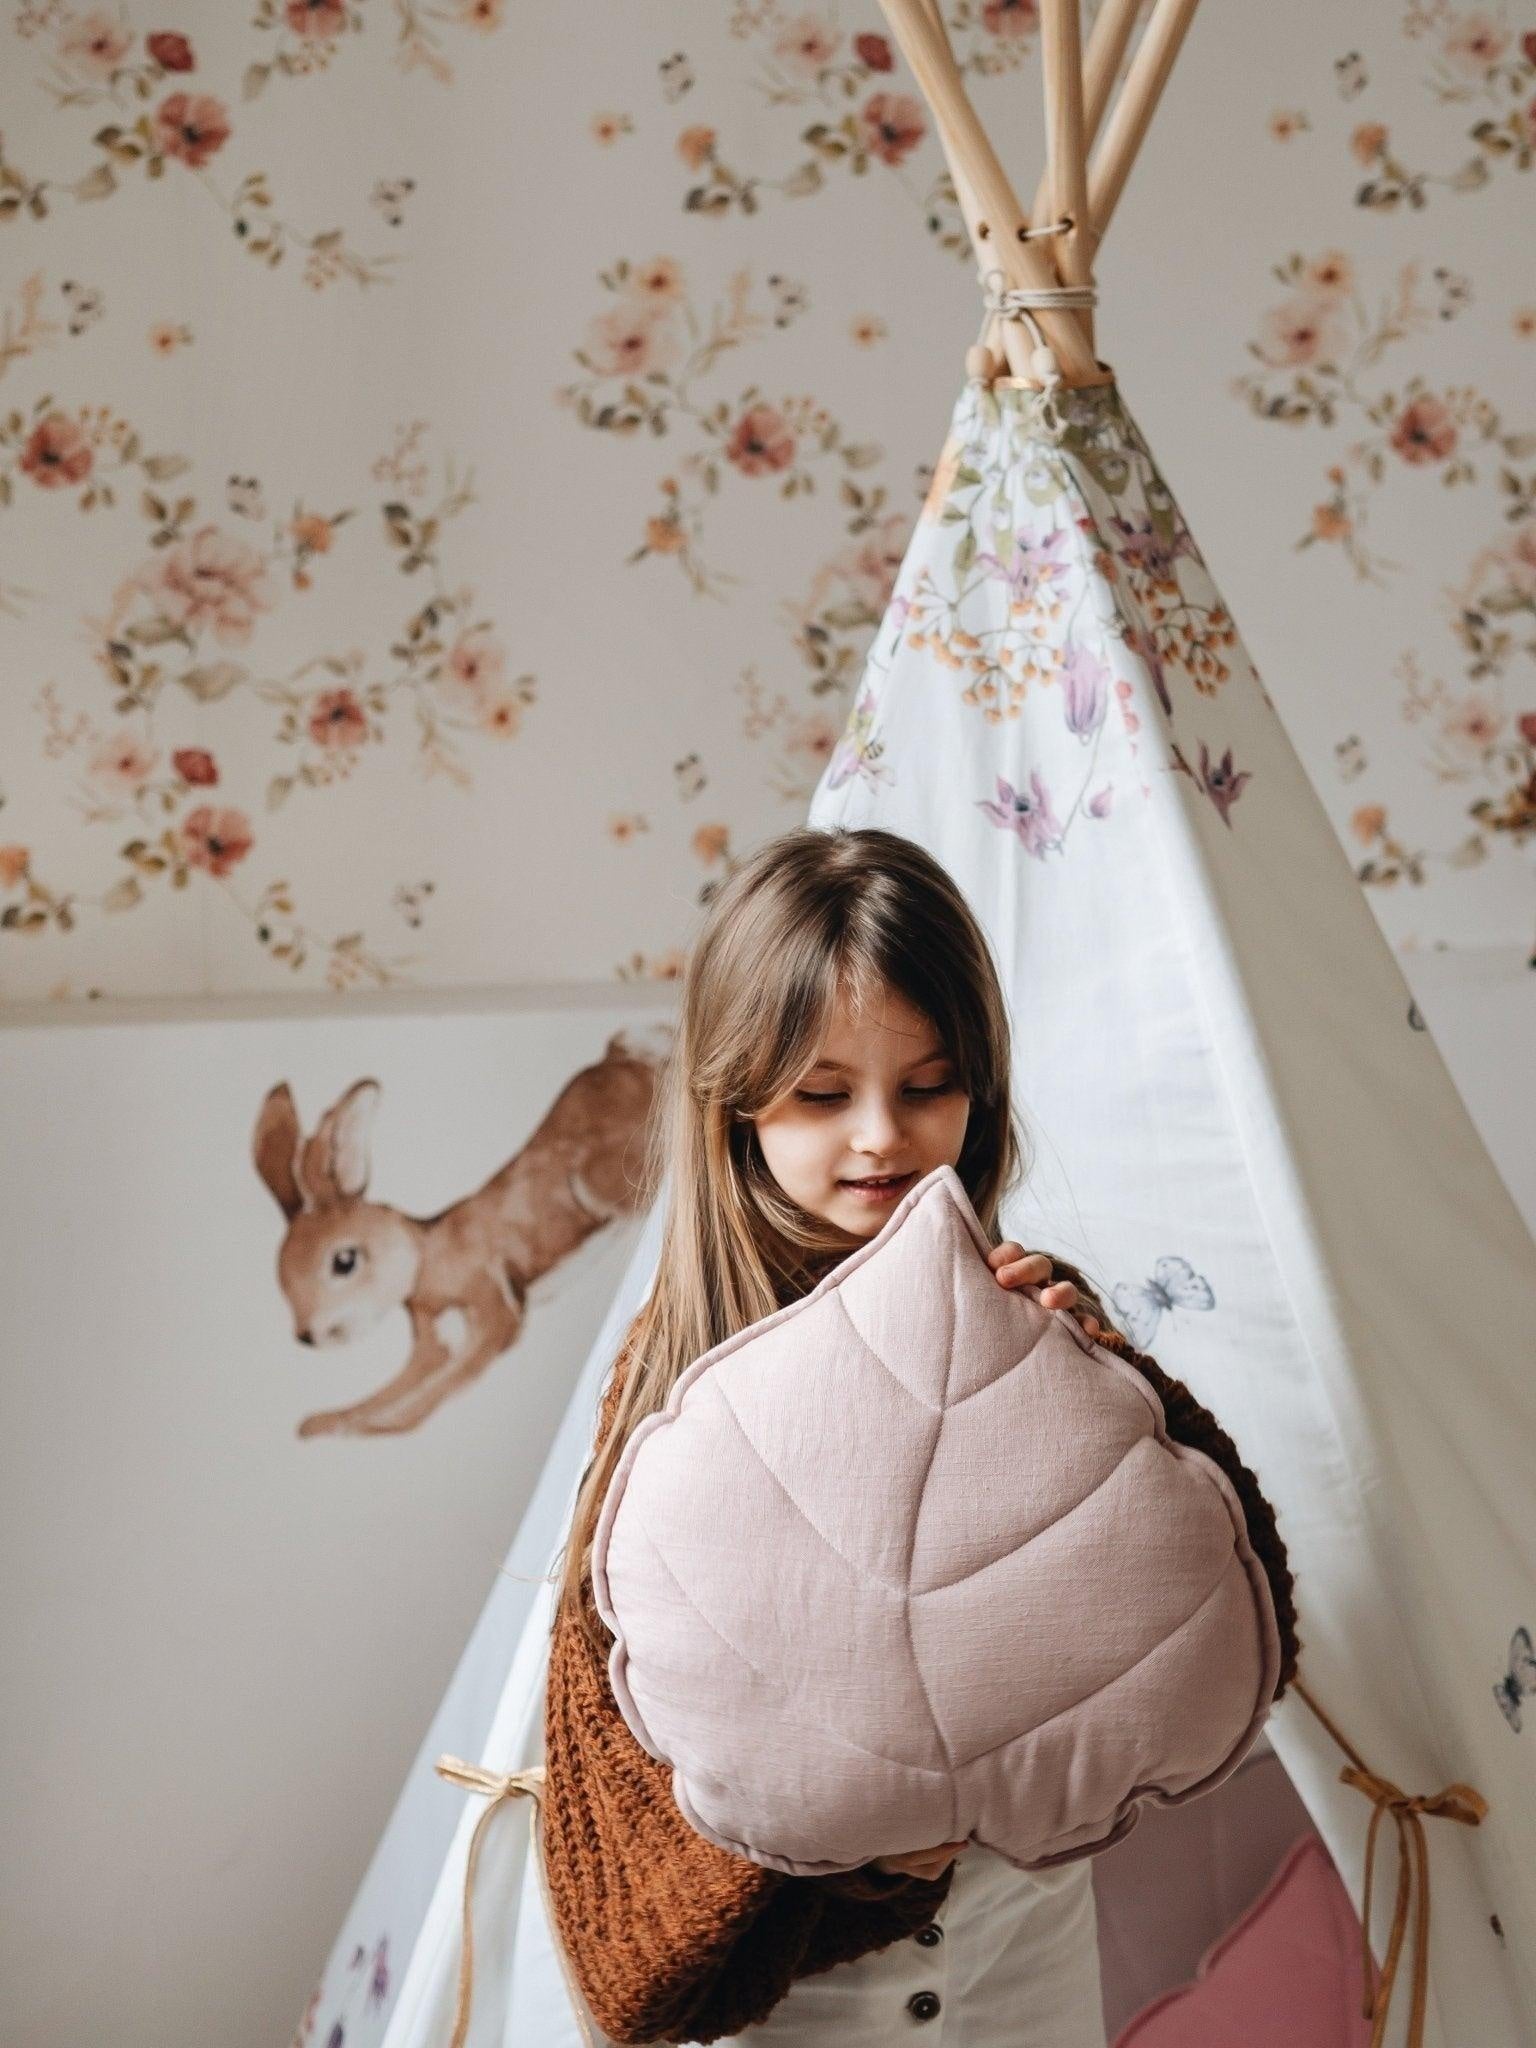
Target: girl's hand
<point>929,1863</point>
<point>1016,1267</point>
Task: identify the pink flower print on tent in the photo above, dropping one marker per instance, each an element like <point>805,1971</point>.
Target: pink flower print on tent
<point>1085,692</point>
<point>1030,817</point>
<point>1145,646</point>
<point>1223,784</point>
<point>859,751</point>
<point>1149,553</point>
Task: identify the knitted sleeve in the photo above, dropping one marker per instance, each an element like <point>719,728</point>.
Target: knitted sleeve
<point>670,1937</point>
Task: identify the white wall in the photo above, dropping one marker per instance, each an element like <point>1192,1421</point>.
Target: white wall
<point>221,1644</point>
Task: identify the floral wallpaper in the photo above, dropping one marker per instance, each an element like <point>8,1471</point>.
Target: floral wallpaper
<point>453,459</point>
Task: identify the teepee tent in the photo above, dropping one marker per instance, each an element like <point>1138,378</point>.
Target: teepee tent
<point>1239,1122</point>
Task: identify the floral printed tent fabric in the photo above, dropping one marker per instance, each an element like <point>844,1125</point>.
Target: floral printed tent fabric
<point>1241,1124</point>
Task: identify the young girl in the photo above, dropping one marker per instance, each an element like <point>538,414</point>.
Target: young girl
<point>842,1033</point>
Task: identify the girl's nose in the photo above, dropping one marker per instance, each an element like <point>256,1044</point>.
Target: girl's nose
<point>879,1127</point>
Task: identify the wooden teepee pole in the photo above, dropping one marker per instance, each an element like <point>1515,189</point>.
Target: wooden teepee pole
<point>1133,110</point>
<point>1065,146</point>
<point>1107,43</point>
<point>932,64</point>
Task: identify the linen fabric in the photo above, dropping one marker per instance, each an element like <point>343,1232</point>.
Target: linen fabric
<point>915,1559</point>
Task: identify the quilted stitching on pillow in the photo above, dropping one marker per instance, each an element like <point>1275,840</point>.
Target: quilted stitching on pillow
<point>913,1560</point>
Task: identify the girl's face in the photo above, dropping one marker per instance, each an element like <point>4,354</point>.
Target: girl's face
<point>880,1102</point>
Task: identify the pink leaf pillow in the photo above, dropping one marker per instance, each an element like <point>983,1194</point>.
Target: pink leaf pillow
<point>913,1560</point>
<point>1287,1973</point>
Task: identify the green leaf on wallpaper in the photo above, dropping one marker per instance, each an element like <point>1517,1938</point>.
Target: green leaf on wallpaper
<point>212,680</point>
<point>97,184</point>
<point>256,76</point>
<point>124,894</point>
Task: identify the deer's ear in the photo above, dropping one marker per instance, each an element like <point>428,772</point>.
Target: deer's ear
<point>335,1163</point>
<point>275,1148</point>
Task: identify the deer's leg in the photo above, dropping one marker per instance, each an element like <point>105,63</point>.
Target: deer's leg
<point>431,1372</point>
<point>428,1355</point>
<point>494,1324</point>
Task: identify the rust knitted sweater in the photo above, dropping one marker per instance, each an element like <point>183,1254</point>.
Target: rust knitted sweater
<point>671,1938</point>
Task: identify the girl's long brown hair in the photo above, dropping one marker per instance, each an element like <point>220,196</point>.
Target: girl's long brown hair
<point>812,914</point>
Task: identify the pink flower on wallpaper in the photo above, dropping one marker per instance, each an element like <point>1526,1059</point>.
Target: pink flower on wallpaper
<point>191,127</point>
<point>57,454</point>
<point>123,763</point>
<point>807,44</point>
<point>1085,691</point>
<point>501,710</point>
<point>216,840</point>
<point>476,663</point>
<point>1011,17</point>
<point>813,739</point>
<point>318,20</point>
<point>1528,727</point>
<point>95,43</point>
<point>869,568</point>
<point>14,862</point>
<point>762,442</point>
<point>1425,431</point>
<point>892,126</point>
<point>695,146</point>
<point>631,340</point>
<point>172,52</point>
<point>1304,330</point>
<point>210,582</point>
<point>1474,43</point>
<point>1329,273</point>
<point>1475,722</point>
<point>337,720</point>
<point>1030,818</point>
<point>196,767</point>
<point>874,53</point>
<point>661,278</point>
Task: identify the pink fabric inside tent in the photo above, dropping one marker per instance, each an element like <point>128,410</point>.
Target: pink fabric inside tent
<point>1175,1896</point>
<point>1286,1972</point>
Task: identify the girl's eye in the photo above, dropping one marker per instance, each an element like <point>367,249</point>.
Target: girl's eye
<point>942,1088</point>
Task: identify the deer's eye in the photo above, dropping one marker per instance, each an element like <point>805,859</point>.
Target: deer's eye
<point>344,1261</point>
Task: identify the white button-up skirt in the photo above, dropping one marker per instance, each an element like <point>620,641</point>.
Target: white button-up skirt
<point>1015,1965</point>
